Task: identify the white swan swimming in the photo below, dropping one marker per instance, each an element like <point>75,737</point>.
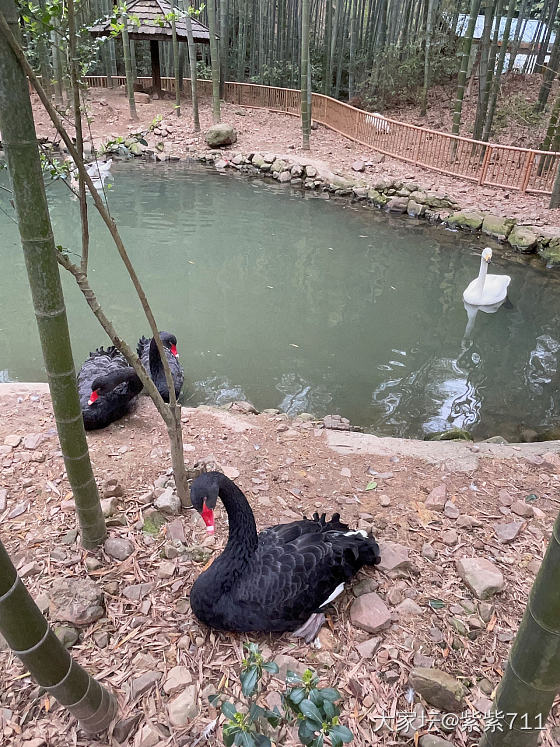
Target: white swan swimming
<point>486,290</point>
<point>99,172</point>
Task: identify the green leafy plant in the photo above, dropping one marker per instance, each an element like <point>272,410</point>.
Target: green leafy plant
<point>304,703</point>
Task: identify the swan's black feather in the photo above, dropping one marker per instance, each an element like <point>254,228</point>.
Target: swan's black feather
<point>151,360</point>
<point>276,580</point>
<point>107,367</point>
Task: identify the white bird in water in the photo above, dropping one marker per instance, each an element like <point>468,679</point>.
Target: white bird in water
<point>486,290</point>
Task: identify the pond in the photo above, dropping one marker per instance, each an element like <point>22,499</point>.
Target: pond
<point>302,303</point>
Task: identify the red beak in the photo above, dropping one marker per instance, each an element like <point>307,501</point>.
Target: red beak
<point>208,518</point>
<point>174,351</point>
<point>94,396</point>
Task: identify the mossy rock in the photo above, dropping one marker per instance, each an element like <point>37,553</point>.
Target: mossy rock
<point>415,209</point>
<point>453,434</point>
<point>383,185</point>
<point>466,219</point>
<point>497,227</point>
<point>220,134</point>
<point>551,253</point>
<point>419,196</point>
<point>523,239</point>
<point>279,165</point>
<point>258,160</point>
<point>377,198</point>
<point>438,200</point>
<point>397,205</point>
<point>339,182</point>
<point>495,440</point>
<point>153,522</point>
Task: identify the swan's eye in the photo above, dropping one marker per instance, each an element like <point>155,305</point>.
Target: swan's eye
<point>94,396</point>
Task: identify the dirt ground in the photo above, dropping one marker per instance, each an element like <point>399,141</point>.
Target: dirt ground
<point>265,131</point>
<point>286,468</point>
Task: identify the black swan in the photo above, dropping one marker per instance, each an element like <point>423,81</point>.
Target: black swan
<point>107,386</point>
<point>280,579</point>
<point>151,360</point>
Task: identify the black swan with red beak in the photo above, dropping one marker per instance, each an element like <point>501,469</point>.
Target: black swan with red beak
<point>108,388</point>
<point>151,360</point>
<point>279,580</point>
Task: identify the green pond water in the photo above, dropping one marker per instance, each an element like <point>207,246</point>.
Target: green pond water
<point>301,303</point>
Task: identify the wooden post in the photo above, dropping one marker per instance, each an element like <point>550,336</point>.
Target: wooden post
<point>485,162</point>
<point>156,75</point>
<point>417,147</point>
<point>527,170</point>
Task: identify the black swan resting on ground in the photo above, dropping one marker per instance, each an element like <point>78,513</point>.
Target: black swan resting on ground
<point>279,580</point>
<point>107,386</point>
<point>151,360</point>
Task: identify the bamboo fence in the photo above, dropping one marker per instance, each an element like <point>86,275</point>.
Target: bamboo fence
<point>486,164</point>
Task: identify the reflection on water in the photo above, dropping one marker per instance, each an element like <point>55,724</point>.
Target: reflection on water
<point>303,304</point>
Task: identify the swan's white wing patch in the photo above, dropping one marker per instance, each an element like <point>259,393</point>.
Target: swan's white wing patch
<point>361,532</point>
<point>339,589</point>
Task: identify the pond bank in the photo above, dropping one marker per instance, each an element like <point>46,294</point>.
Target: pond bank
<point>427,516</point>
<point>264,132</point>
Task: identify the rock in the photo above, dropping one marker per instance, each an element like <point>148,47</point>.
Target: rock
<point>499,228</point>
<point>370,613</point>
<point>439,689</point>
<point>69,537</point>
<point>481,576</point>
<point>66,635</point>
<point>437,498</point>
<point>459,626</point>
<point>168,503</point>
<point>175,529</point>
<point>523,239</point>
<point>419,197</point>
<point>141,98</point>
<point>220,134</point>
<point>394,558</point>
<point>174,549</point>
<point>278,165</point>
<point>166,569</point>
<point>451,434</point>
<point>408,608</point>
<point>327,640</point>
<point>112,488</point>
<point>177,678</point>
<point>522,509</point>
<point>358,166</point>
<point>34,440</point>
<point>451,510</point>
<point>336,423</point>
<point>147,737</point>
<point>345,472</point>
<point>495,440</point>
<point>432,740</point>
<point>415,209</point>
<point>449,537</point>
<point>365,586</point>
<point>310,172</point>
<point>466,219</point>
<point>108,506</point>
<point>428,551</point>
<point>221,163</point>
<point>284,177</point>
<point>286,663</point>
<point>78,601</point>
<point>137,592</point>
<point>101,638</point>
<point>385,501</point>
<point>339,182</point>
<point>118,548</point>
<point>377,197</point>
<point>505,498</point>
<point>467,522</point>
<point>367,648</point>
<point>184,707</point>
<point>13,440</point>
<point>140,685</point>
<point>137,149</point>
<point>551,253</point>
<point>3,499</point>
<point>508,532</point>
<point>397,205</point>
<point>92,564</point>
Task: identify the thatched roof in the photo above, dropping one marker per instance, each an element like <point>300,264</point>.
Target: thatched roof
<point>153,25</point>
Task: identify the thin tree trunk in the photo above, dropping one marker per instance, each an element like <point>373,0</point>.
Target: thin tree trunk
<point>224,46</point>
<point>74,76</point>
<point>546,40</point>
<point>549,75</point>
<point>483,77</point>
<point>176,65</point>
<point>519,32</point>
<point>128,68</point>
<point>215,61</point>
<point>305,108</point>
<point>57,64</point>
<point>428,45</point>
<point>352,57</point>
<point>29,636</point>
<point>192,63</point>
<point>327,59</point>
<point>532,676</point>
<point>20,142</point>
<point>465,55</point>
<point>496,83</point>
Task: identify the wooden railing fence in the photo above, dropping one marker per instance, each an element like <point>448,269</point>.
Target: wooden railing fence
<point>487,164</point>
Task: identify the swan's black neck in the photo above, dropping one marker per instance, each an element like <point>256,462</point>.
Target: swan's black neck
<point>156,366</point>
<point>111,380</point>
<point>242,541</point>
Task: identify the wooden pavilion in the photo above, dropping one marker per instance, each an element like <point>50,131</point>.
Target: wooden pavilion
<point>154,27</point>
